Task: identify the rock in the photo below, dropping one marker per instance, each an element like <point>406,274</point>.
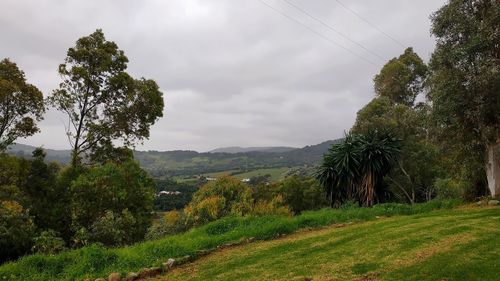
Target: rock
<point>144,273</point>
<point>183,260</point>
<point>154,271</point>
<point>202,253</point>
<point>493,202</point>
<point>132,276</point>
<point>114,277</point>
<point>169,264</point>
<point>479,203</point>
<point>307,278</point>
<point>251,239</point>
<point>100,279</point>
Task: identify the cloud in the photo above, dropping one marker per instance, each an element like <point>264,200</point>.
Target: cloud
<point>233,72</point>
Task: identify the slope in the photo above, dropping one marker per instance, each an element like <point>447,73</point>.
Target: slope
<point>444,245</point>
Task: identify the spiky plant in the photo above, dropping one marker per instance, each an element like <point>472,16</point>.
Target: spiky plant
<point>379,152</point>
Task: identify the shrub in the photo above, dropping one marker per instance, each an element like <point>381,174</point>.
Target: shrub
<point>16,230</point>
<point>222,197</point>
<point>447,188</point>
<point>112,199</point>
<point>273,207</point>
<point>48,242</point>
<point>172,222</point>
<point>113,229</point>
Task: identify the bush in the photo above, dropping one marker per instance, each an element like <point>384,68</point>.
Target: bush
<point>222,197</point>
<point>16,230</point>
<point>172,222</point>
<point>113,202</point>
<point>273,207</point>
<point>447,188</point>
<point>48,242</point>
<point>113,229</point>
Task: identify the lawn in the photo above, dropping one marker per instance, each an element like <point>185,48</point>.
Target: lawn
<point>444,245</point>
<point>328,253</point>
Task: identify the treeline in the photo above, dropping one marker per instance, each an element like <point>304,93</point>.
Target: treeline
<point>102,196</point>
<point>433,129</point>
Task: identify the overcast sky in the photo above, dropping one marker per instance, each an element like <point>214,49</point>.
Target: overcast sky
<point>233,72</point>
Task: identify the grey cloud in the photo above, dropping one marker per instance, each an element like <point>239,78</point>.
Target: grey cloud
<point>233,72</point>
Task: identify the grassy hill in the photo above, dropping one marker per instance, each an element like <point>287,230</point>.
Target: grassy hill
<point>458,244</point>
<point>161,164</point>
<point>445,245</point>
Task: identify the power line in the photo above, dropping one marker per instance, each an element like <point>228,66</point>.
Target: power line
<point>317,33</point>
<point>371,24</point>
<point>333,29</point>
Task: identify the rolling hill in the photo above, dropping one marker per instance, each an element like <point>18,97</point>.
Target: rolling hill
<point>238,149</point>
<point>190,163</point>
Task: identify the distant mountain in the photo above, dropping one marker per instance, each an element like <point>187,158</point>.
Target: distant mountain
<point>187,163</point>
<point>23,150</point>
<point>239,149</point>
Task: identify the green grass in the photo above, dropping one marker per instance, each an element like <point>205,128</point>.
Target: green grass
<point>448,245</point>
<point>95,261</point>
<point>276,173</point>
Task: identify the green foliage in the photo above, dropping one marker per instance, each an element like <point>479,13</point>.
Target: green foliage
<point>42,192</point>
<point>447,188</point>
<point>16,230</point>
<point>297,193</point>
<point>170,223</point>
<point>465,78</point>
<point>96,261</point>
<point>48,243</point>
<point>173,201</point>
<point>402,78</point>
<point>102,101</point>
<point>354,169</point>
<point>114,229</point>
<point>116,195</point>
<point>219,198</point>
<point>21,105</point>
<point>464,85</point>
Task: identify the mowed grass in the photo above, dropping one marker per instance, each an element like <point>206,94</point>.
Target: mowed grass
<point>96,261</point>
<point>462,244</point>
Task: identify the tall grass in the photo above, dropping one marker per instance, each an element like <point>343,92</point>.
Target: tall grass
<point>97,261</point>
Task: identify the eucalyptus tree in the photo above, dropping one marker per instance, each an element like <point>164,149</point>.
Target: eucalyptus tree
<point>465,82</point>
<point>401,79</point>
<point>21,105</point>
<point>102,101</point>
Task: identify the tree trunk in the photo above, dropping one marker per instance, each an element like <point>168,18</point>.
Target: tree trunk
<point>493,168</point>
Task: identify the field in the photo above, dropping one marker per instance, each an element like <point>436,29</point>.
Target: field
<point>444,245</point>
<point>276,173</point>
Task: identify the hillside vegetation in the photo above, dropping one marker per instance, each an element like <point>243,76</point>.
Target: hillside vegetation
<point>189,163</point>
<point>97,261</point>
<point>443,245</point>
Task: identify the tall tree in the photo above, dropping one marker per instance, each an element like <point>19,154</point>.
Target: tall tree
<point>465,81</point>
<point>402,78</point>
<point>102,101</point>
<point>21,105</point>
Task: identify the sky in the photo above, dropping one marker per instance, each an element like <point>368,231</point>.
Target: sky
<point>233,72</point>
